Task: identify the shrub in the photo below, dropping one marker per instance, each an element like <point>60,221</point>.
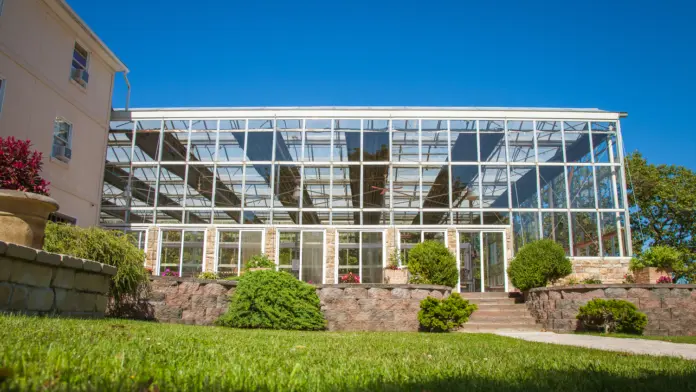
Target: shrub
<point>430,262</point>
<point>105,246</point>
<point>20,167</point>
<point>537,264</point>
<point>260,261</point>
<point>592,281</point>
<point>444,315</point>
<point>273,300</point>
<point>208,275</point>
<point>612,315</point>
<point>663,257</point>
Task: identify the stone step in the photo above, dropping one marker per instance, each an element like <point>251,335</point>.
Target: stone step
<point>495,316</point>
<point>502,323</point>
<point>494,301</point>
<point>466,328</point>
<point>491,307</point>
<point>495,294</point>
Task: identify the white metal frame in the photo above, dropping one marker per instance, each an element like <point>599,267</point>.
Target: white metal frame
<point>481,232</point>
<point>337,249</point>
<point>181,249</point>
<point>219,230</point>
<point>301,232</point>
<point>422,237</point>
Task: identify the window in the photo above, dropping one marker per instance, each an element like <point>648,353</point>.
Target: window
<point>80,65</point>
<point>2,81</point>
<point>57,217</point>
<point>2,3</point>
<point>62,140</point>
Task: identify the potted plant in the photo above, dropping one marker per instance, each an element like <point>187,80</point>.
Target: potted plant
<point>393,274</point>
<point>24,201</point>
<point>259,263</point>
<point>654,263</point>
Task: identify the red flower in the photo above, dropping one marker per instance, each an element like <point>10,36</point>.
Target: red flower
<point>20,167</point>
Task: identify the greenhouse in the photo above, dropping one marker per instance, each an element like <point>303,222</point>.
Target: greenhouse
<point>327,191</point>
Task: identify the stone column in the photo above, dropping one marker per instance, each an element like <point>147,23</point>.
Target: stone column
<point>209,257</point>
<point>452,240</point>
<point>152,248</point>
<point>390,242</point>
<point>330,258</point>
<point>269,246</point>
<point>510,244</point>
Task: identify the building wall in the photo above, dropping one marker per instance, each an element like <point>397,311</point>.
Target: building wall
<point>36,48</point>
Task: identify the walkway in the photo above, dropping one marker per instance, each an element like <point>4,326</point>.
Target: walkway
<point>636,346</point>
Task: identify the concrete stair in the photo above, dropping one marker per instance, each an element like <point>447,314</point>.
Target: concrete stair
<point>498,311</point>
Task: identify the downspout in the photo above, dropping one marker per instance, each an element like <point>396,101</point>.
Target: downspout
<point>125,77</point>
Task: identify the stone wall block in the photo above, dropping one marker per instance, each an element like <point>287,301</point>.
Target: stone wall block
<point>66,300</point>
<point>188,287</point>
<point>21,252</point>
<point>31,274</point>
<point>401,293</point>
<point>355,292</point>
<point>378,293</point>
<point>63,278</point>
<point>636,292</point>
<point>420,294</point>
<point>101,302</point>
<point>438,294</point>
<point>5,268</point>
<point>92,266</point>
<point>213,289</point>
<point>329,294</point>
<point>368,304</point>
<point>86,302</point>
<point>40,299</point>
<point>86,281</point>
<point>5,294</point>
<point>679,293</point>
<point>647,303</point>
<point>71,262</point>
<point>48,258</point>
<point>167,313</point>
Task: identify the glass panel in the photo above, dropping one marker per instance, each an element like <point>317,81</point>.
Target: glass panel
<point>343,187</point>
<point>254,217</point>
<point>312,256</point>
<point>289,253</point>
<point>585,239</point>
<point>406,188</point>
<point>465,187</point>
<point>604,126</point>
<point>553,186</point>
<point>523,185</point>
<point>375,186</point>
<point>405,140</point>
<point>376,140</point>
<point>555,227</point>
<point>170,252</point>
<point>578,147</point>
<point>494,180</point>
<point>492,139</point>
<point>141,216</point>
<point>345,217</point>
<point>437,236</point>
<point>257,189</point>
<point>281,217</point>
<point>202,146</point>
<point>228,191</point>
<point>620,186</point>
<point>192,258</point>
<point>259,146</point>
<point>406,218</point>
<point>496,218</point>
<point>170,216</point>
<point>375,218</point>
<point>464,217</point>
<point>601,143</point>
<point>627,252</point>
<point>147,141</point>
<point>317,145</point>
<point>581,187</point>
<point>525,226</point>
<point>316,186</point>
<point>226,217</point>
<point>288,140</point>
<point>175,140</point>
<point>228,253</point>
<point>171,186</point>
<point>372,263</point>
<point>315,217</point>
<point>231,143</point>
<point>200,186</point>
<point>521,141</point>
<point>549,141</point>
<point>605,192</point>
<point>287,186</point>
<point>464,144</point>
<point>610,238</point>
<point>436,187</point>
<point>264,123</point>
<point>348,253</point>
<point>197,216</point>
<point>252,245</point>
<point>436,217</point>
<point>346,140</point>
<point>469,262</point>
<point>434,144</point>
<point>408,239</point>
<point>494,257</point>
<point>115,187</point>
<point>119,143</point>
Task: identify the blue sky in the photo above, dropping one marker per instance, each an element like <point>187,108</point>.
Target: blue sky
<point>633,56</point>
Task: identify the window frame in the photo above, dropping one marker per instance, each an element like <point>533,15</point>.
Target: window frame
<point>67,143</point>
<point>79,48</point>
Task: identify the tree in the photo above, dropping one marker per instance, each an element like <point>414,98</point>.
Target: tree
<point>665,206</point>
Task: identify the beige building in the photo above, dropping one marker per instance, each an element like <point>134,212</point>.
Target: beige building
<point>56,84</point>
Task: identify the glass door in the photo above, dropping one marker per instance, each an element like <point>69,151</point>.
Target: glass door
<point>301,253</point>
<point>482,264</point>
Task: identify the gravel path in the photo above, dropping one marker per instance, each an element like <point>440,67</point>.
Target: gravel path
<point>636,346</point>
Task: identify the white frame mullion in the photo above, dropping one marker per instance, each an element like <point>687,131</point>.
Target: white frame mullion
<point>598,217</point>
<point>571,246</point>
<point>627,214</point>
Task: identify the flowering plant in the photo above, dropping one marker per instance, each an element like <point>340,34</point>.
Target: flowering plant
<point>148,270</point>
<point>664,279</point>
<point>20,167</point>
<point>350,278</point>
<point>628,278</point>
<point>394,260</point>
<point>168,272</point>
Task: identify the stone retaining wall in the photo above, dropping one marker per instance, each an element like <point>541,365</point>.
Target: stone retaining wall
<point>40,283</point>
<point>671,308</point>
<point>347,307</point>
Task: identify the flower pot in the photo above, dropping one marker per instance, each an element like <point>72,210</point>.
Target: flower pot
<point>650,275</point>
<point>23,217</point>
<point>398,276</point>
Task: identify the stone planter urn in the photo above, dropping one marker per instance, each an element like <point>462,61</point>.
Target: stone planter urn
<point>650,275</point>
<point>395,276</point>
<point>23,217</point>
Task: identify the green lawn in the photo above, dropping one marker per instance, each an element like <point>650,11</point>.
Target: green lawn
<point>673,339</point>
<point>128,355</point>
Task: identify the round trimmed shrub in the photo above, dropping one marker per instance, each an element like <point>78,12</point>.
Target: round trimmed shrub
<point>273,300</point>
<point>444,315</point>
<point>612,315</point>
<point>538,264</point>
<point>260,261</point>
<point>430,262</point>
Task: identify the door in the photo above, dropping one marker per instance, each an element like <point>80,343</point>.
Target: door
<point>481,259</point>
<point>301,253</point>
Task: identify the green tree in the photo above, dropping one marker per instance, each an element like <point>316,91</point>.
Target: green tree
<point>663,210</point>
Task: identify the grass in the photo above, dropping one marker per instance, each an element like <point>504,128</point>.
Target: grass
<point>105,355</point>
<point>673,339</point>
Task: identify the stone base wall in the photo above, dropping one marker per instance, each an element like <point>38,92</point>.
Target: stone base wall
<point>35,282</point>
<point>609,271</point>
<point>671,308</point>
<point>347,307</point>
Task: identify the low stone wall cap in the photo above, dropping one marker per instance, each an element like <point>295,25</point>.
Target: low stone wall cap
<point>21,252</point>
<point>384,286</point>
<point>616,286</point>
